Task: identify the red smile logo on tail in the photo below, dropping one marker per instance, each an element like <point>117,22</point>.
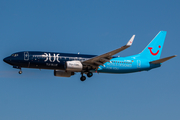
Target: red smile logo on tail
<point>150,49</point>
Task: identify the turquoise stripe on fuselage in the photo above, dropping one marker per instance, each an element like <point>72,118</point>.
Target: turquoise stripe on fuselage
<point>126,65</point>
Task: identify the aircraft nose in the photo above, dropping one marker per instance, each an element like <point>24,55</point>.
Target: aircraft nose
<point>7,59</point>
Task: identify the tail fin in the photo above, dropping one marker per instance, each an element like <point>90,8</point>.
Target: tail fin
<point>154,48</point>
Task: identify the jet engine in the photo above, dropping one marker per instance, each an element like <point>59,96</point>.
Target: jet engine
<point>60,73</point>
<point>75,66</point>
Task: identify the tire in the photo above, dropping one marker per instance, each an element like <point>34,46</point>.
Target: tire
<point>90,74</point>
<point>20,72</point>
<point>83,78</point>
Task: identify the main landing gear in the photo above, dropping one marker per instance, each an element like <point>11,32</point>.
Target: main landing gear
<point>83,78</point>
<point>89,74</point>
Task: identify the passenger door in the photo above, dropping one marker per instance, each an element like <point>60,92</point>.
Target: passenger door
<point>138,63</point>
<point>26,56</point>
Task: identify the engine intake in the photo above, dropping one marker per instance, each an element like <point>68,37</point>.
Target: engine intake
<point>75,66</point>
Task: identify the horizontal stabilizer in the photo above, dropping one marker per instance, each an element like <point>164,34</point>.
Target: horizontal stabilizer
<point>162,60</point>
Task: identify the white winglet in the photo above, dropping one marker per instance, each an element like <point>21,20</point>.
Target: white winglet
<point>130,41</point>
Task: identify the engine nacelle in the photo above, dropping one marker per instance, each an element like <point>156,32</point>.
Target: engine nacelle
<point>75,66</point>
<point>59,73</point>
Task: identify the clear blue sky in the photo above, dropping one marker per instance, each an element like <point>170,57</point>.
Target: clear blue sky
<point>89,27</point>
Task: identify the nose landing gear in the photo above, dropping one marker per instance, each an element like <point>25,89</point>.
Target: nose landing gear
<point>20,72</point>
<point>18,67</point>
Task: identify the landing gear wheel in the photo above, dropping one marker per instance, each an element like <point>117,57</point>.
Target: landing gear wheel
<point>90,74</point>
<point>83,78</point>
<point>20,72</point>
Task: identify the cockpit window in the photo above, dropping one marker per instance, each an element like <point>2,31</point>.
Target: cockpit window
<point>14,55</point>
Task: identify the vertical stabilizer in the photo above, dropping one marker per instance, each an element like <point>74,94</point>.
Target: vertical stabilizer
<point>154,48</point>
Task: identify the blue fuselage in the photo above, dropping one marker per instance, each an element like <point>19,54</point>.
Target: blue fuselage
<point>56,61</point>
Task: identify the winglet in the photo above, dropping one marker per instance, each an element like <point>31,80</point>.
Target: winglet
<point>162,60</point>
<point>130,41</point>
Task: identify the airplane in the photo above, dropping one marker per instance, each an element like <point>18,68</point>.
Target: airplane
<point>66,64</point>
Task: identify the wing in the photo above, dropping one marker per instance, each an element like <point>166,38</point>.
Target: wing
<point>101,59</point>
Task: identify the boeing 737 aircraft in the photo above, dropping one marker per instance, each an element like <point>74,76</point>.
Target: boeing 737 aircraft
<point>65,64</point>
